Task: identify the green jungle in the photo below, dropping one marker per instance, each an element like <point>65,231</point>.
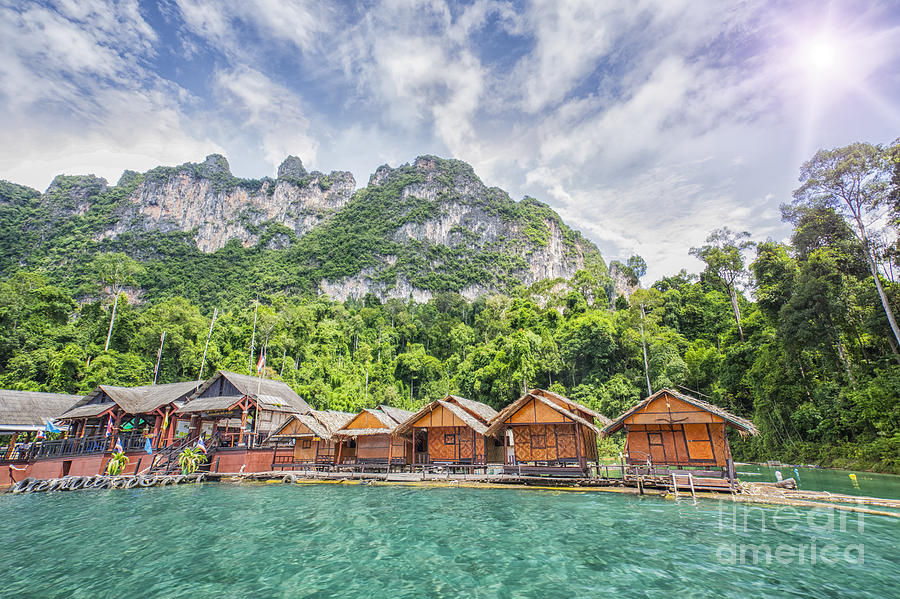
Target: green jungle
<point>796,336</point>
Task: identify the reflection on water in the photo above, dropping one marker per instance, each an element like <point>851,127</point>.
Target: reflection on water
<point>219,540</point>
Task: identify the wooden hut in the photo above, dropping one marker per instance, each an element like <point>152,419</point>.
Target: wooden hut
<point>130,413</point>
<point>368,438</point>
<point>546,432</point>
<point>310,438</point>
<point>451,431</point>
<point>24,413</point>
<point>670,431</point>
<point>240,410</point>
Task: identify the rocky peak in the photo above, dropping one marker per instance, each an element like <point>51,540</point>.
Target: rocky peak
<point>291,168</point>
<point>215,164</point>
<point>380,175</point>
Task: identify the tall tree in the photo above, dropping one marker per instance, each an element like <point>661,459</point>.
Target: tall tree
<point>723,255</point>
<point>854,181</point>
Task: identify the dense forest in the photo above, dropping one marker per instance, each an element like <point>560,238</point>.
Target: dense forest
<point>799,336</point>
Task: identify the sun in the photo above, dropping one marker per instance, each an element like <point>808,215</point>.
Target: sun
<point>822,55</point>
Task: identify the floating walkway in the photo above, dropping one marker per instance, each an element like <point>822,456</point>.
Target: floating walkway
<point>748,493</point>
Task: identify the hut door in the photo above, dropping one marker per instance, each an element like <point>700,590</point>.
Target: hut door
<point>699,442</point>
<point>466,443</point>
<point>657,449</point>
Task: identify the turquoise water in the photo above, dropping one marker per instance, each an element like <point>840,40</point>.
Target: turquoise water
<point>222,541</point>
<point>822,479</point>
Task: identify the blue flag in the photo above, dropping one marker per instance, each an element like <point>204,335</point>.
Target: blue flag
<point>51,429</point>
<point>147,446</point>
<point>118,446</point>
<point>201,445</point>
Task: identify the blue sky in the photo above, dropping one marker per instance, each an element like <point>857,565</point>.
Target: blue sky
<point>644,124</point>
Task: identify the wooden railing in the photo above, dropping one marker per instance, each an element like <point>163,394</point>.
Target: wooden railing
<point>76,446</point>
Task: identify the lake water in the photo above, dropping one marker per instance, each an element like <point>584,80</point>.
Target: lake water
<point>222,541</point>
<point>822,479</point>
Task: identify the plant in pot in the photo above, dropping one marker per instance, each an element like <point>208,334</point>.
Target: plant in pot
<point>190,459</point>
<point>117,463</point>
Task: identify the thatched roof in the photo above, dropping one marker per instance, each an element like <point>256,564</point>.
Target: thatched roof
<point>743,425</point>
<point>29,410</point>
<point>389,416</point>
<point>455,405</point>
<point>132,400</point>
<point>219,403</point>
<point>88,411</point>
<point>572,405</point>
<point>322,423</point>
<point>538,395</point>
<point>398,415</point>
<point>270,395</point>
<point>483,411</point>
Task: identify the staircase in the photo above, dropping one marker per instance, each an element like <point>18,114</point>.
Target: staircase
<point>166,460</point>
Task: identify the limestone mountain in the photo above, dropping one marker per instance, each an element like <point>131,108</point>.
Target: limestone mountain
<point>416,230</point>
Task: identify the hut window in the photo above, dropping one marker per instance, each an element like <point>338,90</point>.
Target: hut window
<point>539,441</point>
<point>307,443</point>
<point>450,439</point>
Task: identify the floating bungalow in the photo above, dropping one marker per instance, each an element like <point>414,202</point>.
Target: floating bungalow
<point>309,439</point>
<point>368,438</point>
<point>240,410</point>
<point>544,432</point>
<point>24,413</point>
<point>670,432</point>
<point>451,431</point>
<point>130,413</point>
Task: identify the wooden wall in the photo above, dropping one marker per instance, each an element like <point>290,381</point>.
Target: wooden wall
<point>692,444</point>
<point>544,442</point>
<point>672,432</point>
<point>365,420</point>
<point>375,447</point>
<point>455,444</point>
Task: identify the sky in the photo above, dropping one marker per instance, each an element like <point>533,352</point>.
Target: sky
<point>644,124</point>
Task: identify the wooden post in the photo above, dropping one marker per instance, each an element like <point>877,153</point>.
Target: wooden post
<point>337,456</point>
<point>579,441</point>
<point>414,449</point>
<point>12,445</point>
<point>390,452</point>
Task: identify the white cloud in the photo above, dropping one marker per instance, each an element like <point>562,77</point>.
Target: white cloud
<point>266,110</point>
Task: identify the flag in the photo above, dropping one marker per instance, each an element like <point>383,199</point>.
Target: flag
<point>39,435</point>
<point>118,448</point>
<point>200,444</point>
<point>109,426</point>
<point>51,429</point>
<point>147,446</point>
<point>262,363</point>
<point>165,421</point>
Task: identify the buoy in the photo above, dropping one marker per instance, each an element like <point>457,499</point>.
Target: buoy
<point>778,476</point>
<point>854,481</point>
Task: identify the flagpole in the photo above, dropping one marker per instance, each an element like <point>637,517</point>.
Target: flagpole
<point>203,362</point>
<point>159,356</point>
<point>253,338</point>
<point>258,388</point>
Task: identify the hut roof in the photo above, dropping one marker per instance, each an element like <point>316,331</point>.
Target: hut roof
<point>323,423</point>
<point>210,404</point>
<point>30,410</point>
<point>742,424</point>
<point>94,409</point>
<point>271,395</point>
<point>398,415</point>
<point>483,411</point>
<point>389,416</point>
<point>572,404</point>
<point>455,405</point>
<point>505,413</point>
<point>132,400</point>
